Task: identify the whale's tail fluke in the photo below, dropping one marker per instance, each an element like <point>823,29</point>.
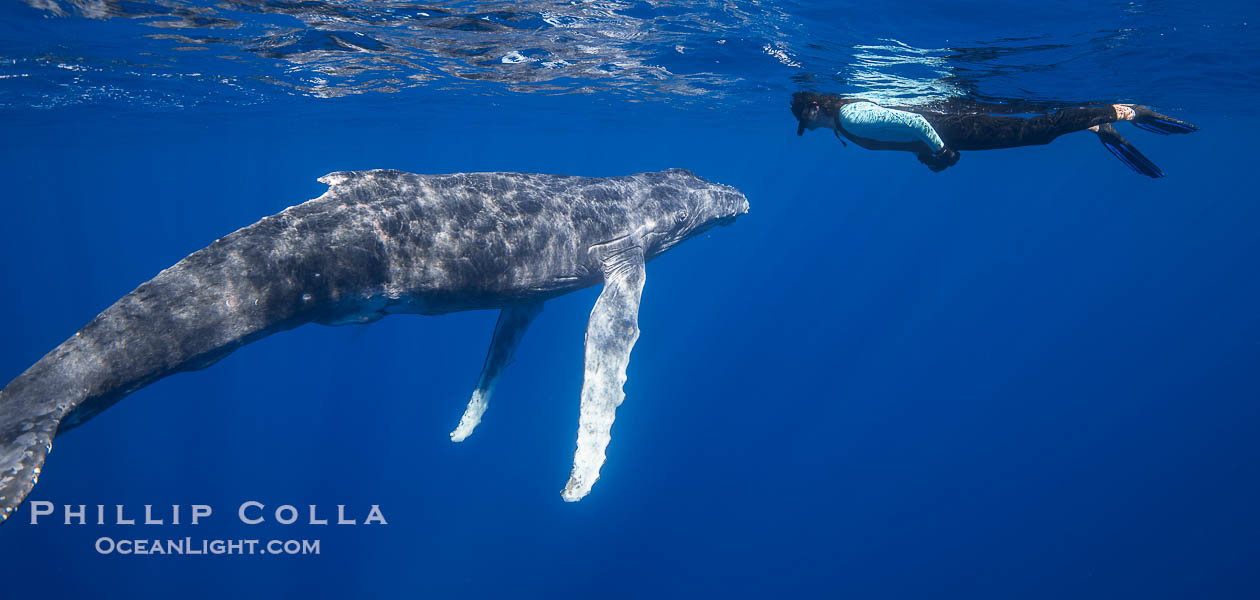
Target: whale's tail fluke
<point>31,411</point>
<point>188,317</point>
<point>21,456</point>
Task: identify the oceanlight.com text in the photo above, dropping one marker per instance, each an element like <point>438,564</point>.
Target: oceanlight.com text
<point>190,547</point>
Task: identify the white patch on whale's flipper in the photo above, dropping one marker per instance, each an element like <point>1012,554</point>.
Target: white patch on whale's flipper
<point>513,321</point>
<point>610,335</point>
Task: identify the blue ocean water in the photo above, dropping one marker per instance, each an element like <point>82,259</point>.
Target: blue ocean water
<point>1033,375</point>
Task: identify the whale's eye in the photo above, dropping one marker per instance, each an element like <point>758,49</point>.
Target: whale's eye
<point>680,216</point>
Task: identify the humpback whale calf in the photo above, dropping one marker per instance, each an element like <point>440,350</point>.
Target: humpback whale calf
<point>377,243</point>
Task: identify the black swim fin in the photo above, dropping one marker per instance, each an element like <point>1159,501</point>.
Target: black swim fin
<point>1125,151</point>
<point>1162,124</point>
<point>840,137</point>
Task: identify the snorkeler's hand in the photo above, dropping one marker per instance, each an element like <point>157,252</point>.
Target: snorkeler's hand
<point>940,160</point>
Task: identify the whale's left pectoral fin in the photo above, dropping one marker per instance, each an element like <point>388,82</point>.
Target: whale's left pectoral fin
<point>610,335</point>
<point>513,321</point>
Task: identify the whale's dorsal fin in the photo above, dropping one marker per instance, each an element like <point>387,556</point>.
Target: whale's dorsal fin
<point>610,335</point>
<point>337,178</point>
<point>513,321</point>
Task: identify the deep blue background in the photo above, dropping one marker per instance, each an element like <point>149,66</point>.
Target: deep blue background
<point>1033,375</point>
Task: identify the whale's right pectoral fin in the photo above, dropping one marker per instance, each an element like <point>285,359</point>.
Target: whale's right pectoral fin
<point>513,321</point>
<point>610,335</point>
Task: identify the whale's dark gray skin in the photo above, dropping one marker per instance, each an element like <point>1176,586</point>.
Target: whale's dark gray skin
<point>377,243</point>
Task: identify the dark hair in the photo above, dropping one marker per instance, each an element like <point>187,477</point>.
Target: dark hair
<point>827,102</point>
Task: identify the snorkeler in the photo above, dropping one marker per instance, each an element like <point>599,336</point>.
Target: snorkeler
<point>936,138</point>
